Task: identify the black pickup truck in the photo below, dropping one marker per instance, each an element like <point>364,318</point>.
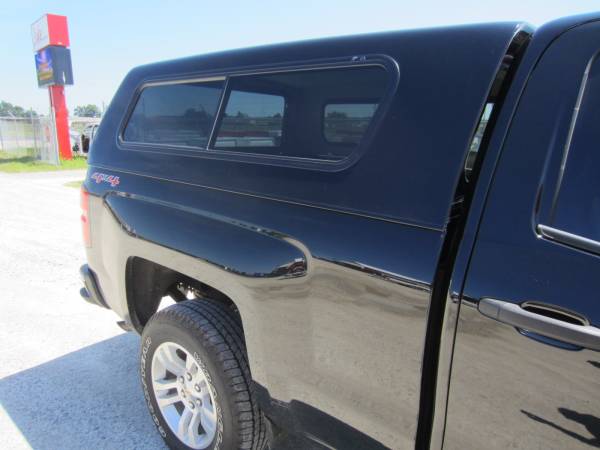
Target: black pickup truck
<point>378,241</point>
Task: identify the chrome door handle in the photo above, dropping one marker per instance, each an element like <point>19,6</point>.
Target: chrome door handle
<point>585,336</point>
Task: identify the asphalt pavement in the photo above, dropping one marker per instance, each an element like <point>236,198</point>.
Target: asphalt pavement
<point>68,374</point>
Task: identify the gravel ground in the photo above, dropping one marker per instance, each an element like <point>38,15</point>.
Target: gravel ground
<point>68,374</point>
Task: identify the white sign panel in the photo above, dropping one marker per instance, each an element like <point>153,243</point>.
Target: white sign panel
<point>39,33</point>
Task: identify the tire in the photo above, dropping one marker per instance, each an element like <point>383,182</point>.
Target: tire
<point>193,353</point>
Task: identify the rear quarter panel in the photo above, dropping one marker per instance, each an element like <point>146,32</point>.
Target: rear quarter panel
<point>344,334</point>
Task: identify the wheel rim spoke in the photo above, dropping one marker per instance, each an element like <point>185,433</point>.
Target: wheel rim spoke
<point>192,430</point>
<point>207,419</point>
<point>184,423</point>
<point>165,385</point>
<point>167,400</point>
<point>171,362</point>
<point>190,364</point>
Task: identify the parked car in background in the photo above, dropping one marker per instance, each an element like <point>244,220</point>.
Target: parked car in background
<point>75,138</point>
<point>82,131</point>
<point>380,241</point>
<point>87,137</point>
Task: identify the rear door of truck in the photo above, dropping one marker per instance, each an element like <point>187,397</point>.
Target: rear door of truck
<point>526,366</point>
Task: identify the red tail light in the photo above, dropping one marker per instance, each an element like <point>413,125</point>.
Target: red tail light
<point>85,218</point>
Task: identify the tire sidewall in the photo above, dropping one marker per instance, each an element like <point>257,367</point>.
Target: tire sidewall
<point>166,329</point>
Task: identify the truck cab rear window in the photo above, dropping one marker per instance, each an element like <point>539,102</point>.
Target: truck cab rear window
<point>179,114</point>
<point>297,114</point>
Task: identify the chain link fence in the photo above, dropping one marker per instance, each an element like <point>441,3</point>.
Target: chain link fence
<point>29,137</point>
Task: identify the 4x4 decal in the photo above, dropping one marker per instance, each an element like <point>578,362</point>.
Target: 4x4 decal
<point>98,177</point>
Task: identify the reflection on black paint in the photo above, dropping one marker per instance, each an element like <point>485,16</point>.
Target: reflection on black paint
<point>590,422</point>
<point>380,273</point>
<point>302,426</point>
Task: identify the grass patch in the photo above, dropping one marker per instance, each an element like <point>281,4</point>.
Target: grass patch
<point>74,184</point>
<point>25,161</point>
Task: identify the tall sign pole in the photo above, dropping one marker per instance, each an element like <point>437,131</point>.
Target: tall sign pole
<point>50,36</point>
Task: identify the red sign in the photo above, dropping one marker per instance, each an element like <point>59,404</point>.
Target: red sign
<point>50,29</point>
<point>50,38</point>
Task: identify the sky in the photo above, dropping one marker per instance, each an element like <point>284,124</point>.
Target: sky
<point>108,38</point>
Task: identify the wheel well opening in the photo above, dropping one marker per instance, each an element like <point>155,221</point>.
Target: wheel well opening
<point>148,284</point>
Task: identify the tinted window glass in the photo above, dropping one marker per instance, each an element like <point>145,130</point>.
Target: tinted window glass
<point>251,119</point>
<point>176,114</point>
<point>300,113</point>
<point>577,209</point>
<point>346,123</point>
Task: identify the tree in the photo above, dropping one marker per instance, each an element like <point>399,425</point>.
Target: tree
<point>87,111</point>
<point>8,109</point>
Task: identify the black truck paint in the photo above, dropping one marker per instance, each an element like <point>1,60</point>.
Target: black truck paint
<point>358,280</point>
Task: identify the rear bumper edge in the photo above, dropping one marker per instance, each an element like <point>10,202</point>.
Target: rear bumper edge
<point>91,292</point>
